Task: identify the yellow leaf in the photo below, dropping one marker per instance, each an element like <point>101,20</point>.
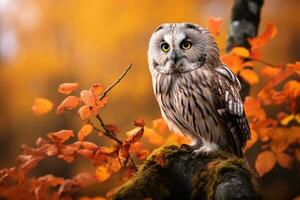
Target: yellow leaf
<point>241,51</point>
<point>249,76</point>
<point>84,131</point>
<point>41,106</point>
<point>285,121</point>
<point>297,118</point>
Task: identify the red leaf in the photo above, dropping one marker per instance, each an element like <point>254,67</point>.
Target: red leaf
<point>139,122</point>
<point>112,128</point>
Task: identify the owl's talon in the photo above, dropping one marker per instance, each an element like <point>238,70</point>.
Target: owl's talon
<point>199,153</point>
<point>204,150</point>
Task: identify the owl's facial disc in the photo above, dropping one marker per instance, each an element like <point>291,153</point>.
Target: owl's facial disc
<point>176,48</point>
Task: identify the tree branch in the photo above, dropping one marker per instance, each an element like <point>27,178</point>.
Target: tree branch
<point>172,173</point>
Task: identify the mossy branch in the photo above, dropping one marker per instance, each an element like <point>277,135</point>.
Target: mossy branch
<point>172,173</point>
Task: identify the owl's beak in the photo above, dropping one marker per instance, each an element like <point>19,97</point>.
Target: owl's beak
<point>174,57</point>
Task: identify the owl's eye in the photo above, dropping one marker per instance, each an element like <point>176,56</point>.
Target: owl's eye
<point>185,45</point>
<point>165,47</point>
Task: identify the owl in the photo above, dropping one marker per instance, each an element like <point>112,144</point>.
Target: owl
<point>198,95</point>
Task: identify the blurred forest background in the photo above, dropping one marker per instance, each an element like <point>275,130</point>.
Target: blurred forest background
<point>47,42</point>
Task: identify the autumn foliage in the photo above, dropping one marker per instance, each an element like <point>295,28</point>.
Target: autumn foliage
<point>276,133</point>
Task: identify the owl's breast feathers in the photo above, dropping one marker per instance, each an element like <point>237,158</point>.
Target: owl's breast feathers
<point>204,104</point>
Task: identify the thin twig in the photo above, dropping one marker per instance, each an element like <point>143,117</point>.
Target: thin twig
<point>107,132</point>
<point>265,62</point>
<point>116,82</point>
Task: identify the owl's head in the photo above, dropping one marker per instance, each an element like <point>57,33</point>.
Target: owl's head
<point>181,47</point>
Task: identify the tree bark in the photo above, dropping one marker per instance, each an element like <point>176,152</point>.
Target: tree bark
<point>245,19</point>
<point>172,173</point>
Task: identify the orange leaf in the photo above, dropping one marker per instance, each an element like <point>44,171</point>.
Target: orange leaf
<point>153,137</point>
<point>294,67</point>
<point>139,122</point>
<point>160,124</point>
<point>249,76</point>
<point>103,173</point>
<point>61,136</point>
<point>67,88</point>
<point>84,131</point>
<point>270,71</point>
<point>86,153</point>
<point>234,62</point>
<point>42,106</point>
<point>97,89</point>
<point>84,112</point>
<point>214,24</point>
<point>262,39</point>
<point>292,88</point>
<point>253,109</point>
<point>271,83</point>
<point>69,103</point>
<point>285,160</point>
<point>87,98</point>
<point>280,138</point>
<point>139,150</point>
<point>265,162</point>
<point>241,51</point>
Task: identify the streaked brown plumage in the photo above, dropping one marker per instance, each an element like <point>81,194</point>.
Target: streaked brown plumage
<point>197,94</point>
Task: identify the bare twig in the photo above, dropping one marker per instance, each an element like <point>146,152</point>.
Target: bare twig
<point>265,62</point>
<point>116,82</point>
<point>107,132</point>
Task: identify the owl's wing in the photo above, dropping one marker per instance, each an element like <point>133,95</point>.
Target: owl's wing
<point>229,105</point>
